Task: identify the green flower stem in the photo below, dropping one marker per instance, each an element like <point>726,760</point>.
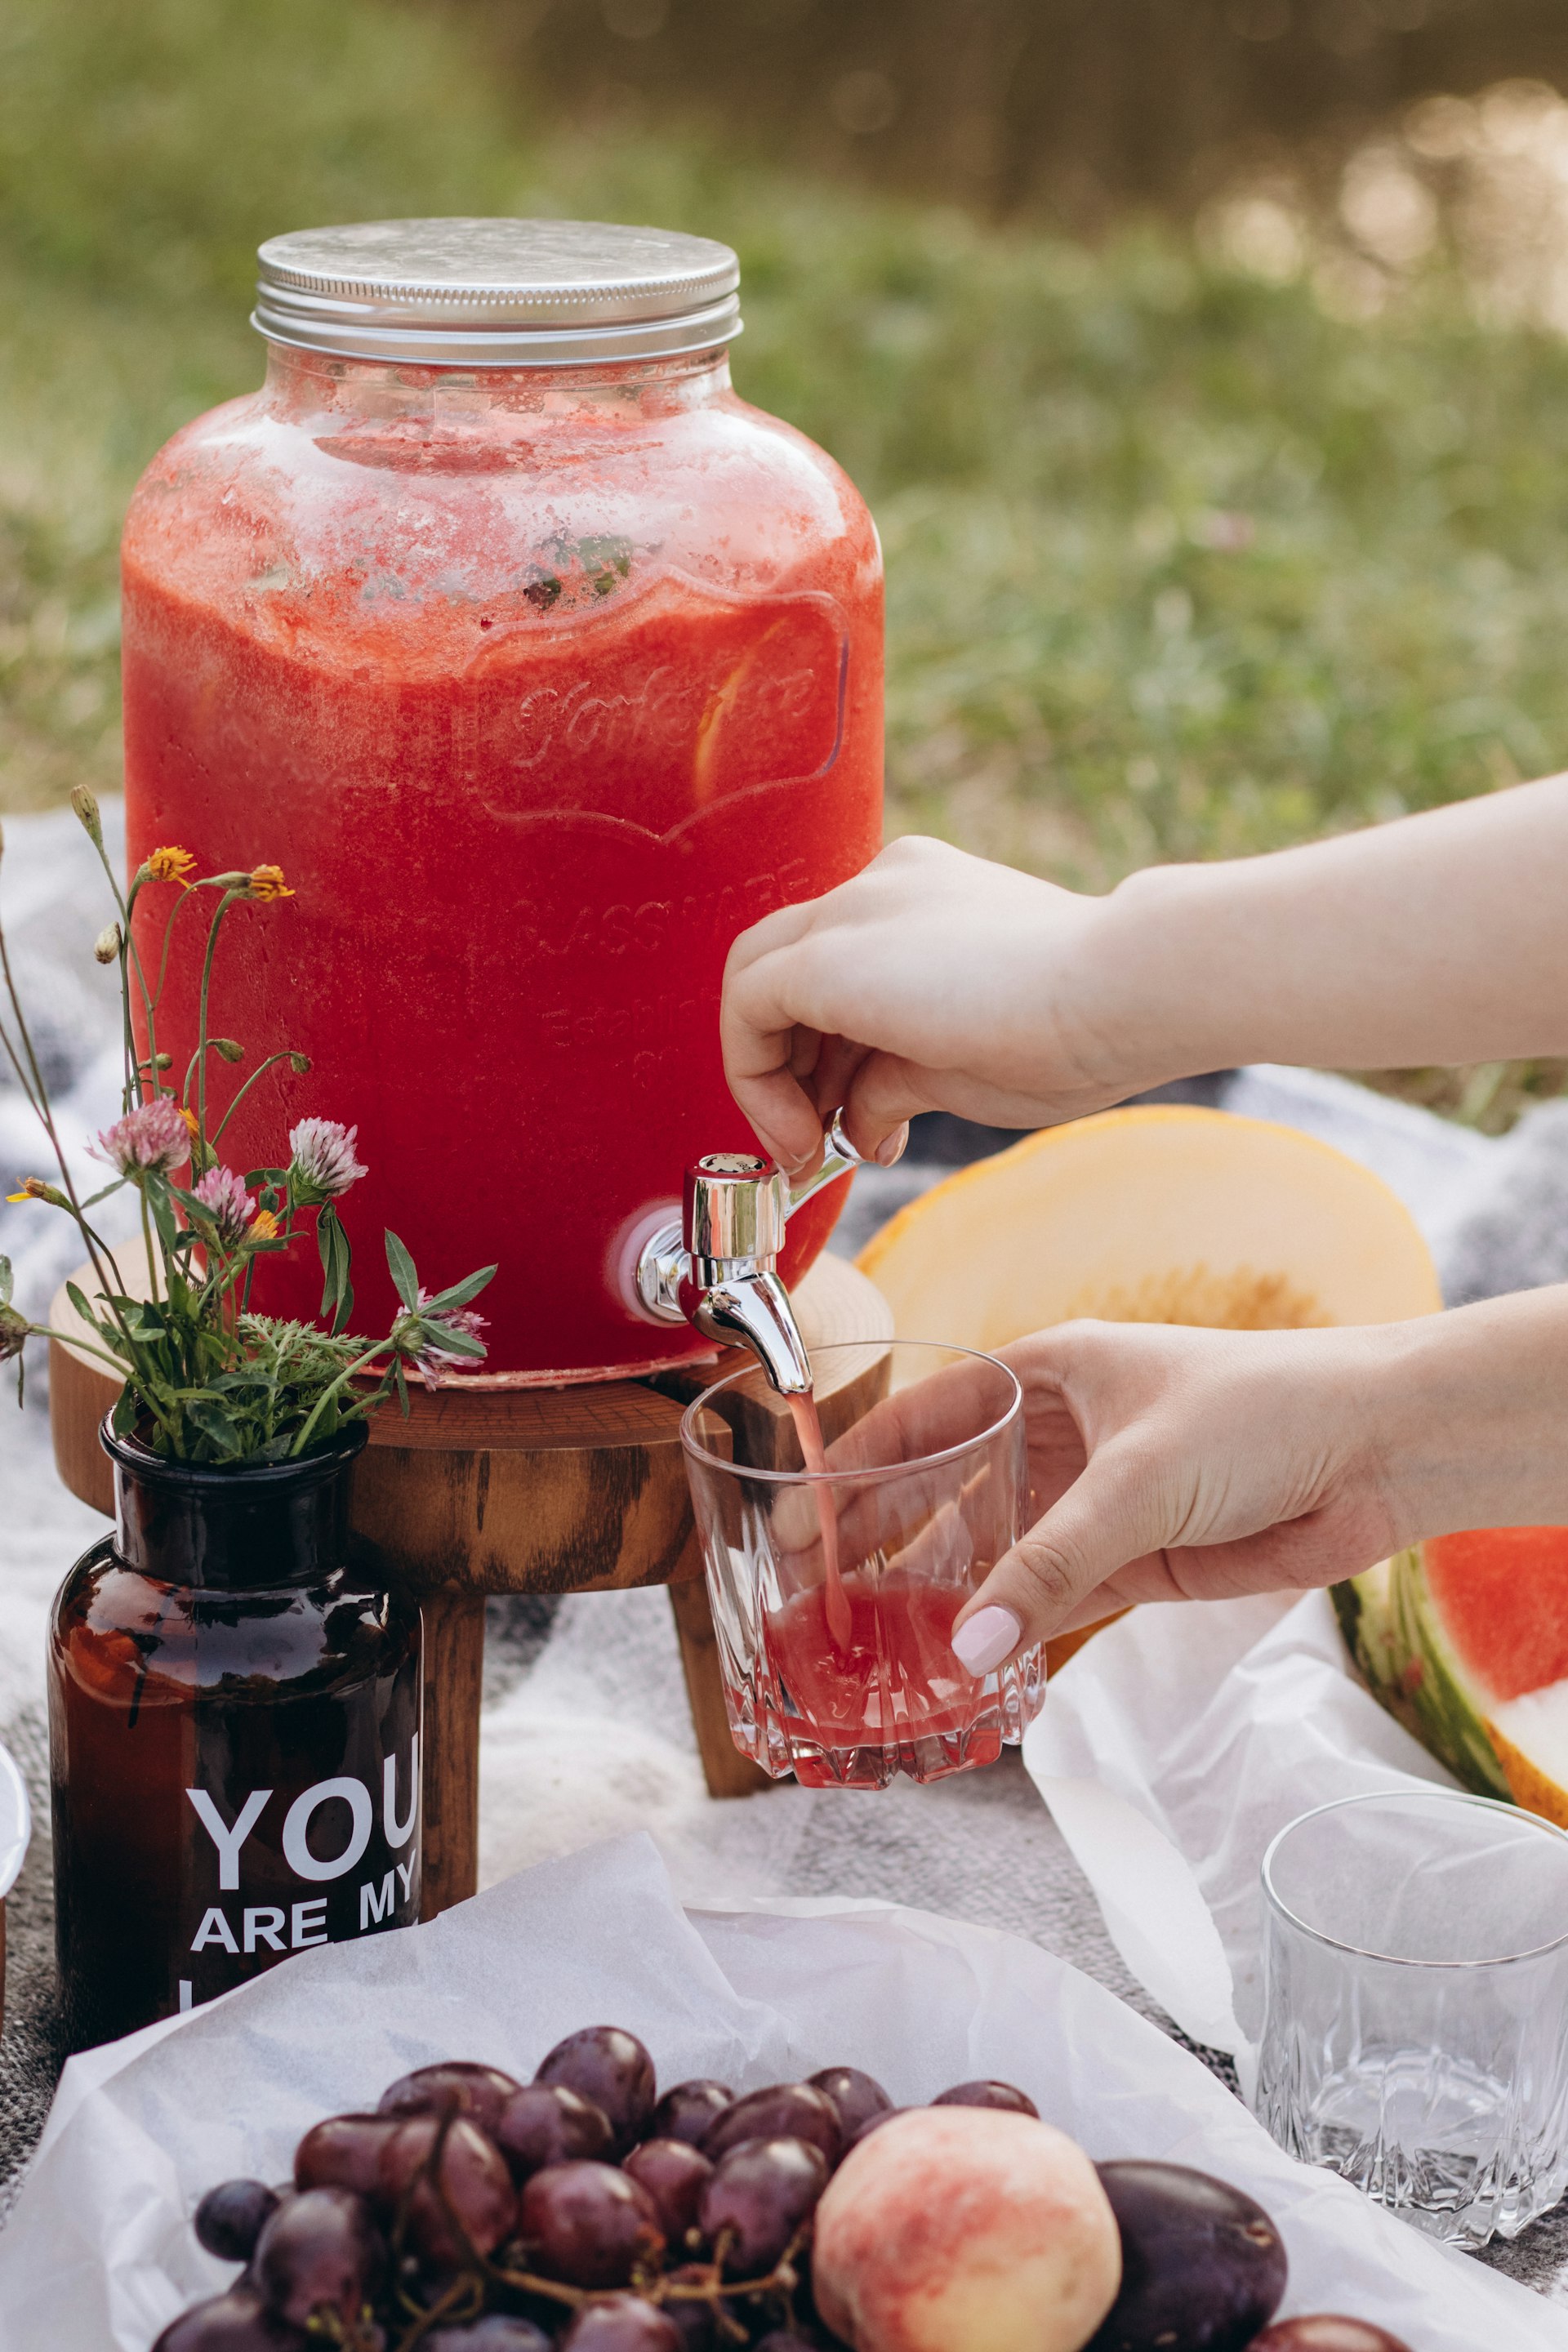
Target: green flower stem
<point>223,904</point>
<point>285,1053</point>
<point>360,1364</point>
<point>126,906</point>
<point>38,1098</point>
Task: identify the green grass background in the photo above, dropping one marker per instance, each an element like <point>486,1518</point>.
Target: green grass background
<point>1178,564</point>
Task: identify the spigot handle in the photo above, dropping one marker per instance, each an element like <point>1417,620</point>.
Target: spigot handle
<point>839,1158</point>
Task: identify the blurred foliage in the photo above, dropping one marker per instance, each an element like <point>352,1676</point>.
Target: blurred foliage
<point>1054,105</point>
<point>1180,562</point>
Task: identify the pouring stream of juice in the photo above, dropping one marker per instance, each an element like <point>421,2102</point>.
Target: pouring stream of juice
<point>808,1429</point>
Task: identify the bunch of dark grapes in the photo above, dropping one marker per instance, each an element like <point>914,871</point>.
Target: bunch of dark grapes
<point>471,2212</point>
<point>582,2212</point>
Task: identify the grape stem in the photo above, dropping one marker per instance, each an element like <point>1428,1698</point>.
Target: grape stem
<point>478,2273</point>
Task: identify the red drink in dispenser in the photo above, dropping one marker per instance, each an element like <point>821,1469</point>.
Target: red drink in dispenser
<point>545,666</point>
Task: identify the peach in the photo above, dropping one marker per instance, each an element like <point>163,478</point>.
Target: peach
<point>965,2230</point>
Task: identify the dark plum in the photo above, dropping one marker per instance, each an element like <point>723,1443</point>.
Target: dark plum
<point>856,2097</point>
<point>544,2123</point>
<point>497,2332</point>
<point>692,2321</point>
<point>1004,2095</point>
<point>610,2068</point>
<point>478,2092</point>
<point>686,2111</point>
<point>622,2323</point>
<point>320,2253</point>
<point>1202,2269</point>
<point>589,2225</point>
<point>476,2187</point>
<point>674,2176</point>
<point>760,2194</point>
<point>1327,2331</point>
<point>236,2322</point>
<point>783,2111</point>
<point>229,2219</point>
<point>344,2152</point>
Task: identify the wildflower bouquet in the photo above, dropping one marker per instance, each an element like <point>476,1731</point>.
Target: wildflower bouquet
<point>206,1379</point>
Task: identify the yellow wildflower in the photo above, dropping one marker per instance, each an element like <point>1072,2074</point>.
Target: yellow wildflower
<point>263,1227</point>
<point>267,882</point>
<point>190,1118</point>
<point>171,864</point>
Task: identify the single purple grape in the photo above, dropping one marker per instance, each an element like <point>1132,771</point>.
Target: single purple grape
<point>1002,2096</point>
<point>320,2253</point>
<point>856,2097</point>
<point>478,2092</point>
<point>229,2219</point>
<point>344,2152</point>
<point>760,2195</point>
<point>783,2111</point>
<point>589,2225</point>
<point>612,2071</point>
<point>496,2332</point>
<point>674,2176</point>
<point>234,2322</point>
<point>686,2111</point>
<point>544,2123</point>
<point>621,2323</point>
<point>477,2200</point>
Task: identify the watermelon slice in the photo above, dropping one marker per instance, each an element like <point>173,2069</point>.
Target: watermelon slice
<point>1465,1640</point>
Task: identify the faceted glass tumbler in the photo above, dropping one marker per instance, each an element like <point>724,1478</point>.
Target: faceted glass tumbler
<point>834,1591</point>
<point>1416,2006</point>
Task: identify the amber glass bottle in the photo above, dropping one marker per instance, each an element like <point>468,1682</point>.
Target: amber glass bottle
<point>234,1737</point>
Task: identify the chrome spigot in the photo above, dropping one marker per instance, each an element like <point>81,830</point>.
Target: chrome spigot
<point>717,1269</point>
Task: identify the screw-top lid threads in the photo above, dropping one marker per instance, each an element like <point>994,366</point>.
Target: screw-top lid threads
<point>497,293</point>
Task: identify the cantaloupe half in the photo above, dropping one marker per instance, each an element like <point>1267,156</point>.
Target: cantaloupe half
<point>1154,1214</point>
<point>1465,1639</point>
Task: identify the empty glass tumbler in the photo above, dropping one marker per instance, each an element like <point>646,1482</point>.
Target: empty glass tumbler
<point>1415,1954</point>
<point>834,1591</point>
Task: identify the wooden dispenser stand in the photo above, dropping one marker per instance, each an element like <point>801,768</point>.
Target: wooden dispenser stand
<point>525,1490</point>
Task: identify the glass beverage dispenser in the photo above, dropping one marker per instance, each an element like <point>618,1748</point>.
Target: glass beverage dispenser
<point>544,665</point>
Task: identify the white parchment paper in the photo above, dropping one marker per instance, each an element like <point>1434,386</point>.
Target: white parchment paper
<point>99,2253</point>
<point>1171,1748</point>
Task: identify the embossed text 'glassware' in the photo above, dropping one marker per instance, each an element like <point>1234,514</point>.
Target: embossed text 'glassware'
<point>925,1486</point>
<point>1416,2005</point>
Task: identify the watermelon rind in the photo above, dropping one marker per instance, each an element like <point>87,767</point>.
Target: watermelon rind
<point>1396,1637</point>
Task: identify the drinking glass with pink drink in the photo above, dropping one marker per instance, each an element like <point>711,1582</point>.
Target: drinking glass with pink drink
<point>835,1589</point>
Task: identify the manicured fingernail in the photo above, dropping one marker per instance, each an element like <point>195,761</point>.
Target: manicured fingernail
<point>990,1635</point>
<point>891,1148</point>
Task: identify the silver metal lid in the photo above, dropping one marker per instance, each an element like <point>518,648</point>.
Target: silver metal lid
<point>497,293</point>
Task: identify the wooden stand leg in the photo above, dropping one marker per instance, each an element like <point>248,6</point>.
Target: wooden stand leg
<point>727,1772</point>
<point>454,1678</point>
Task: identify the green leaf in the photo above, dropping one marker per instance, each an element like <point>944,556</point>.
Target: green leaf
<point>73,1292</point>
<point>337,1258</point>
<point>5,1281</point>
<point>461,1292</point>
<point>127,1410</point>
<point>94,1198</point>
<point>264,1176</point>
<point>450,1342</point>
<point>214,1425</point>
<point>400,1266</point>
